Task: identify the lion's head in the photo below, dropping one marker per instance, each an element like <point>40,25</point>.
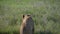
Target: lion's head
<point>26,18</point>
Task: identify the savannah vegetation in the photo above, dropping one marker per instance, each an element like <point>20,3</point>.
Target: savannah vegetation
<point>46,15</point>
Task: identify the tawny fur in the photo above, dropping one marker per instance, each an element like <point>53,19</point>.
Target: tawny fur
<point>27,26</point>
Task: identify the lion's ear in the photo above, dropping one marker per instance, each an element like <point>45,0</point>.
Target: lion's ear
<point>28,15</point>
<point>23,16</point>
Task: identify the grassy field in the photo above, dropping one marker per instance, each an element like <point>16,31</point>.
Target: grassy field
<point>46,15</point>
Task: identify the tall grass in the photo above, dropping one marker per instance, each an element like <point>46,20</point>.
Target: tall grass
<point>46,15</point>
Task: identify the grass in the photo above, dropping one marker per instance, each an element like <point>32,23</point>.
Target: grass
<point>45,13</point>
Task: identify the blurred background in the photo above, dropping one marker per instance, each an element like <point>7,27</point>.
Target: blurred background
<point>46,15</point>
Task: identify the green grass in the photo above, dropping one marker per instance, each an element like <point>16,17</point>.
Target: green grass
<point>45,13</point>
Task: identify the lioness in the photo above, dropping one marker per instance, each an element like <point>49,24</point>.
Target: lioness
<point>27,26</point>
